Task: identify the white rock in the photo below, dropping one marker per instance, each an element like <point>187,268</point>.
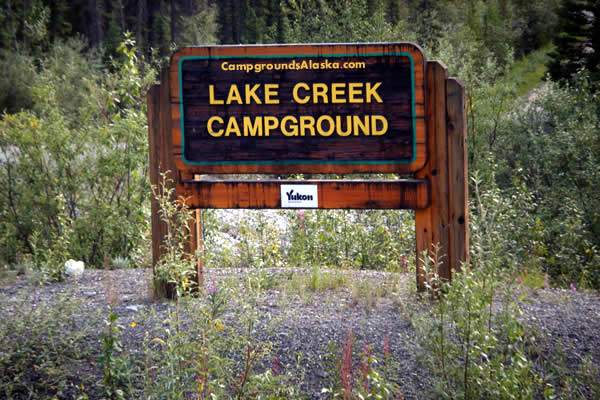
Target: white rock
<point>74,268</point>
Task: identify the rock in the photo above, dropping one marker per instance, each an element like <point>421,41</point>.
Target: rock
<point>134,307</point>
<point>74,268</point>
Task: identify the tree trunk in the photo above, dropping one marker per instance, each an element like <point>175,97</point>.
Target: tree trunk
<point>140,23</point>
<point>96,33</point>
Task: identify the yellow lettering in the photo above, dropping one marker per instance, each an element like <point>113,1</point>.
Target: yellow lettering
<point>234,95</point>
<point>307,123</point>
<point>384,125</point>
<point>253,129</point>
<point>232,127</point>
<point>357,123</point>
<point>319,90</point>
<point>293,131</point>
<point>320,129</point>
<point>297,99</point>
<point>251,93</point>
<point>354,91</point>
<point>211,95</point>
<point>338,93</point>
<point>271,90</point>
<point>372,92</point>
<point>270,123</point>
<point>209,126</point>
<point>338,125</point>
<point>224,66</point>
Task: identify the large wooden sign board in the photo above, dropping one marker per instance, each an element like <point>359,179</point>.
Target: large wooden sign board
<point>340,109</point>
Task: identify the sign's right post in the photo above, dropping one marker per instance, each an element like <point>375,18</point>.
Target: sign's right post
<point>445,223</point>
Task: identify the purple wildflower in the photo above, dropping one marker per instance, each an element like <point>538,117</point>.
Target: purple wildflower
<point>300,213</point>
<point>212,288</point>
<point>572,285</point>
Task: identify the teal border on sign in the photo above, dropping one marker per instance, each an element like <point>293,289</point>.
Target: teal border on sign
<point>301,162</point>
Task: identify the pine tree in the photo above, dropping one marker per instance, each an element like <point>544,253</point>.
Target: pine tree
<point>573,41</point>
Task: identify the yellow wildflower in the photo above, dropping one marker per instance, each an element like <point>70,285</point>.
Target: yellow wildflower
<point>133,324</point>
<point>219,325</point>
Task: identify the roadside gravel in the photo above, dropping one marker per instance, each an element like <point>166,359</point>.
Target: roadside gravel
<point>303,327</point>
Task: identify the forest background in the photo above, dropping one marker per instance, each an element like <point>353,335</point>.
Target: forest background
<point>73,133</point>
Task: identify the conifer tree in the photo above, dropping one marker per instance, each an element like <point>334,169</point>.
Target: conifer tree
<point>573,41</point>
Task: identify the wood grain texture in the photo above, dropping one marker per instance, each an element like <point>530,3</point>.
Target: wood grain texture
<point>438,193</point>
<point>458,179</point>
<point>431,224</point>
<point>334,194</point>
<point>331,149</point>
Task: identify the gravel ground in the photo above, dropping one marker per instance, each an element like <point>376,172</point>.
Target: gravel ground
<point>304,323</point>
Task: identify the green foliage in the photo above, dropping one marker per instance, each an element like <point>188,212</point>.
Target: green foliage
<point>199,28</point>
<point>174,269</point>
<point>208,358</point>
<point>118,378</point>
<point>43,346</point>
<point>318,21</point>
<point>365,381</point>
<point>474,350</point>
<point>17,73</point>
<point>351,239</point>
<point>554,149</point>
<point>529,71</point>
<point>243,239</point>
<point>573,42</point>
<point>73,167</point>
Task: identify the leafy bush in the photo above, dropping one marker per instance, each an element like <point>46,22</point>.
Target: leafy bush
<point>174,271</point>
<point>74,166</point>
<point>551,146</point>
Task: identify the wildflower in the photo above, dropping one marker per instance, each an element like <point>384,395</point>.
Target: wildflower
<point>386,345</point>
<point>588,251</point>
<point>572,285</point>
<point>133,324</point>
<point>219,325</point>
<point>212,288</point>
<point>300,213</point>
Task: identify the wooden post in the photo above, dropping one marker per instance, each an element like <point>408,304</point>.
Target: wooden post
<point>160,159</point>
<point>445,222</point>
<point>458,178</point>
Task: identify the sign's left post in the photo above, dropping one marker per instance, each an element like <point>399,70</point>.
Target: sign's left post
<point>162,166</point>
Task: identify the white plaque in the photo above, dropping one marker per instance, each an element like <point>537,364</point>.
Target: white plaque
<point>299,196</point>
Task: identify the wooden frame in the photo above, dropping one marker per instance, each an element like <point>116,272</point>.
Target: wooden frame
<point>437,191</point>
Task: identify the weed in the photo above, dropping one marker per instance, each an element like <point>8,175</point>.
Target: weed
<point>118,377</point>
<point>174,270</point>
<point>356,375</point>
<point>120,262</point>
<point>43,345</point>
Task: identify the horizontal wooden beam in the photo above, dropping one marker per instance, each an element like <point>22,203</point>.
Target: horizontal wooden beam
<point>340,194</point>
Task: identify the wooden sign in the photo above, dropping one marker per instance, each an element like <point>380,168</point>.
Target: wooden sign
<point>286,109</point>
<point>299,108</point>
